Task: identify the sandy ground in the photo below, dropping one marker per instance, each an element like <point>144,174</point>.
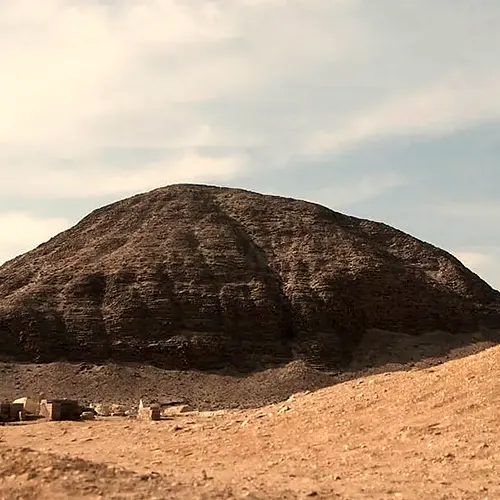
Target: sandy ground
<point>429,433</point>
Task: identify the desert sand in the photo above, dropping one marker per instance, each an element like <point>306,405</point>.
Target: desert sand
<point>424,433</point>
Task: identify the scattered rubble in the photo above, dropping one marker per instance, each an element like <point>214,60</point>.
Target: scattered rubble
<point>118,410</point>
<point>102,409</point>
<point>109,409</point>
<point>283,409</point>
<point>29,407</point>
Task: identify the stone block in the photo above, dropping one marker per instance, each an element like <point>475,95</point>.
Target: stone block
<point>31,405</point>
<point>61,409</point>
<point>169,411</point>
<point>11,412</point>
<point>149,413</point>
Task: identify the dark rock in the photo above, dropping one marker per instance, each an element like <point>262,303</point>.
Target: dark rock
<point>198,277</point>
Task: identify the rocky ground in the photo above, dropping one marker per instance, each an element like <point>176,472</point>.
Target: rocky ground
<point>422,433</point>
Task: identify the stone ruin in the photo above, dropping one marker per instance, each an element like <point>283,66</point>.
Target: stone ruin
<point>148,412</point>
<point>110,410</point>
<point>60,409</point>
<point>11,412</point>
<point>28,408</point>
<point>31,406</point>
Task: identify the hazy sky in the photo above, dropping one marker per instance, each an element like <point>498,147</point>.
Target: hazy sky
<point>385,109</point>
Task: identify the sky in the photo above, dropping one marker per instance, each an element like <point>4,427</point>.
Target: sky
<point>387,110</point>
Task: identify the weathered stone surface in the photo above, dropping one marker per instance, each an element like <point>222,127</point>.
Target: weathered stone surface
<point>109,409</point>
<point>60,409</point>
<point>149,413</point>
<point>168,411</point>
<point>102,409</point>
<point>202,277</point>
<point>10,412</point>
<point>31,405</point>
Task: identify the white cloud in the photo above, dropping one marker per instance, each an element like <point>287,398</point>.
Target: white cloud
<point>21,232</point>
<point>474,260</point>
<point>221,88</point>
<point>347,194</point>
<point>440,108</point>
<point>79,77</point>
<point>483,261</point>
<point>486,211</point>
<point>67,66</point>
<point>97,180</point>
<point>71,67</point>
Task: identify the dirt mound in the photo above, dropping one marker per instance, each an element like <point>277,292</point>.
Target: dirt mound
<point>198,277</point>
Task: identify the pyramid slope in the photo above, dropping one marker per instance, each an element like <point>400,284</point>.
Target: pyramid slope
<point>191,276</point>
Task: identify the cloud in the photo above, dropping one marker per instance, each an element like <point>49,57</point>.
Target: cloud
<point>101,98</point>
<point>483,261</point>
<point>351,192</point>
<point>439,109</point>
<point>137,63</point>
<point>71,65</point>
<point>281,77</point>
<point>474,260</point>
<point>21,232</point>
<point>484,211</point>
<point>98,180</point>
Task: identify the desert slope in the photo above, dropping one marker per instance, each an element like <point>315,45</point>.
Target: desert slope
<point>429,433</point>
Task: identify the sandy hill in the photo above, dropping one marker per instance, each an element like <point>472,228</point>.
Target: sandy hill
<point>429,433</point>
<point>202,277</point>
